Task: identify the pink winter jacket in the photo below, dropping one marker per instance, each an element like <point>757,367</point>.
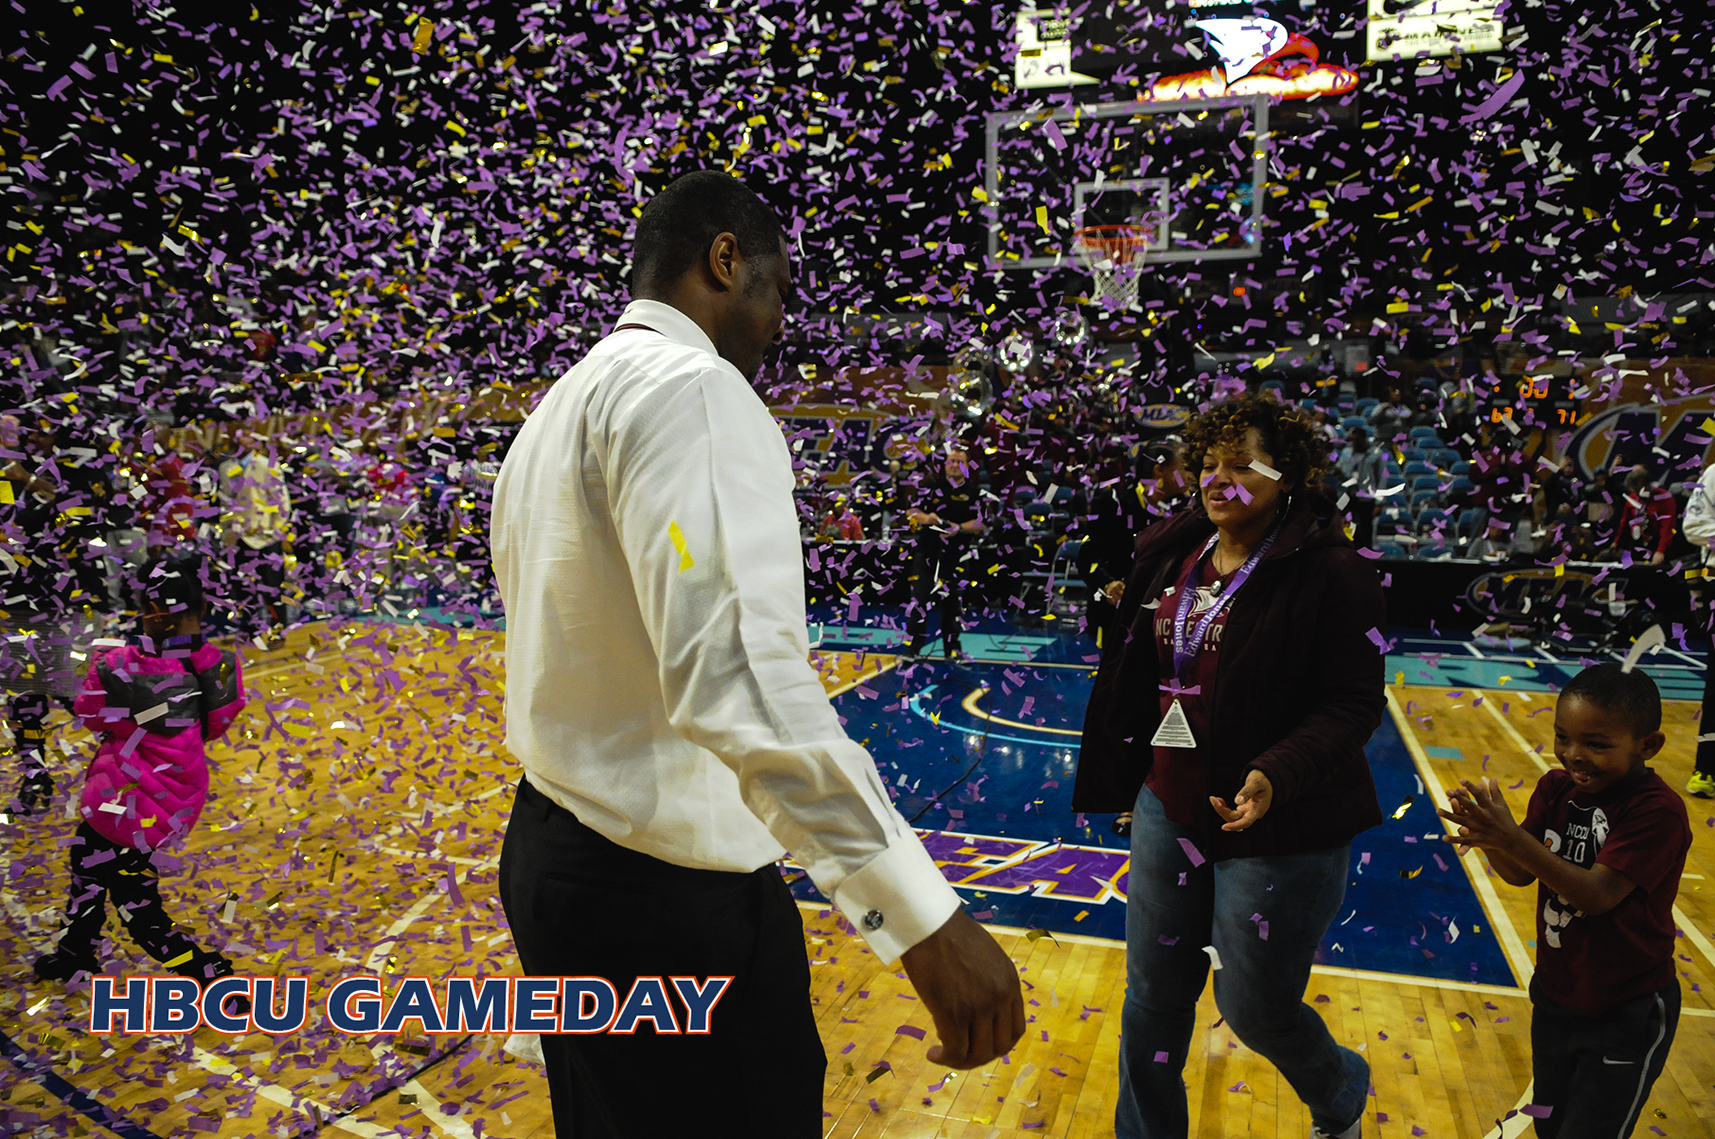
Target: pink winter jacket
<point>149,781</point>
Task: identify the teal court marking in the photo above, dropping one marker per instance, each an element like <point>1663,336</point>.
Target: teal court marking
<point>1443,753</point>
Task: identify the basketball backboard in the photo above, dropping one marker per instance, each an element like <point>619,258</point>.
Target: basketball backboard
<point>1193,169</point>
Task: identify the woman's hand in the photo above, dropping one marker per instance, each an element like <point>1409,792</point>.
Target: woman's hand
<point>1251,803</point>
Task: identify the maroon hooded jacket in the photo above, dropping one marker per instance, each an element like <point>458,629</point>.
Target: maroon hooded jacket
<point>1299,686</point>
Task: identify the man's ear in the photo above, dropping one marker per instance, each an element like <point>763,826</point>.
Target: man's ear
<point>724,261</point>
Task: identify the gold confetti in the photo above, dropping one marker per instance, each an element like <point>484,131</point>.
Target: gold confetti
<point>876,1074</point>
<point>1405,806</point>
<point>1079,916</point>
<point>425,36</point>
<point>180,959</point>
<point>679,544</point>
<point>1411,873</point>
<point>1038,935</point>
<point>1042,220</point>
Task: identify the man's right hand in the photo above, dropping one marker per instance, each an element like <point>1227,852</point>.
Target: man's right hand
<point>971,989</point>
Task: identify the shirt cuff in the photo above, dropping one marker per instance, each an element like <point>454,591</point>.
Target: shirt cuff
<point>899,898</point>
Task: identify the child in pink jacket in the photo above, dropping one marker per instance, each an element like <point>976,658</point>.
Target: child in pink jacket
<point>154,703</point>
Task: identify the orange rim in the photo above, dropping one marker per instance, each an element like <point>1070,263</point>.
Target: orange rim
<point>1120,243</point>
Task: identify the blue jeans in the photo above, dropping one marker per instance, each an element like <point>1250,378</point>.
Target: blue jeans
<point>1259,989</point>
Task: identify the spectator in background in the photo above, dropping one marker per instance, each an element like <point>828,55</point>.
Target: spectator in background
<point>258,528</point>
<point>1458,420</point>
<point>1428,410</point>
<point>947,521</point>
<point>1648,517</point>
<point>1502,478</point>
<point>1700,532</point>
<point>167,499</point>
<point>1362,471</point>
<point>35,633</point>
<point>1327,425</point>
<point>1563,487</point>
<point>1120,509</point>
<point>1391,419</point>
<point>840,524</point>
<point>1598,508</point>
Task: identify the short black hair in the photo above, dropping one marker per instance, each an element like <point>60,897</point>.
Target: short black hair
<point>1632,696</point>
<point>173,579</point>
<point>680,223</point>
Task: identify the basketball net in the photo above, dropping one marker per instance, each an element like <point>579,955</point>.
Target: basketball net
<point>1113,256</point>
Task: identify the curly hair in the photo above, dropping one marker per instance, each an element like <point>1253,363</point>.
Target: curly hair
<point>1288,436</point>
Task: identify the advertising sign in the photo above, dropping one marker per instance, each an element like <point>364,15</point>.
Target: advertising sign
<point>1408,29</point>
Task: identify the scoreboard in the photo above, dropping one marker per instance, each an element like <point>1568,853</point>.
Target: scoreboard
<point>1549,398</point>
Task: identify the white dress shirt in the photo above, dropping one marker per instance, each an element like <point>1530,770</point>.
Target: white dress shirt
<point>658,683</point>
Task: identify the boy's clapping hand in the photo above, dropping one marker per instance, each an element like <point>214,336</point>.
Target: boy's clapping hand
<point>1482,815</point>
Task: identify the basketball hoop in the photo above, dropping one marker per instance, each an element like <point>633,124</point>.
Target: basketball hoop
<point>1112,254</point>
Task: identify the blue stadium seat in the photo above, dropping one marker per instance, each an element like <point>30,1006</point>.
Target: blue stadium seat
<point>1363,406</point>
<point>1391,549</point>
<point>1412,454</point>
<point>1024,494</point>
<point>1270,386</point>
<point>1352,421</point>
<point>1433,553</point>
<point>1393,520</point>
<point>1426,433</point>
<point>1462,467</point>
<point>1418,467</point>
<point>1308,404</point>
<point>1443,456</point>
<point>1435,518</point>
<point>1423,482</point>
<point>1424,498</point>
<point>1470,523</point>
<point>1461,485</point>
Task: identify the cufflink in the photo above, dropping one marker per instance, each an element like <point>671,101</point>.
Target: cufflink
<point>872,920</point>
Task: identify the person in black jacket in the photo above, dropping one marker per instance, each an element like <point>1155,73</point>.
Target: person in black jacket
<point>948,519</point>
<point>1242,759</point>
<point>37,580</point>
<point>1119,511</point>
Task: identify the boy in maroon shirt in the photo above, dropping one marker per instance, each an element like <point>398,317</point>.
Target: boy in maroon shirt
<point>1606,841</point>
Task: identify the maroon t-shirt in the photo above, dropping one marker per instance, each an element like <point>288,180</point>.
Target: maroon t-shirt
<point>1639,829</point>
<point>1179,776</point>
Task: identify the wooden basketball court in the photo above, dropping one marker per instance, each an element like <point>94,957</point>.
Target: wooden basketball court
<point>355,827</point>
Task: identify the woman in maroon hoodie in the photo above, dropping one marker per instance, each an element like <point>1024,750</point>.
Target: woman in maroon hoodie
<point>1242,760</point>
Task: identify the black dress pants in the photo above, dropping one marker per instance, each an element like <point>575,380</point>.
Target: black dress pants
<point>581,905</point>
<point>934,565</point>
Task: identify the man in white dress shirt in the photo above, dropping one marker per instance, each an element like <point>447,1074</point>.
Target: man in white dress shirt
<point>674,738</point>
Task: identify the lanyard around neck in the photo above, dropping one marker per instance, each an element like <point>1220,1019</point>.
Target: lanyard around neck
<point>1184,654</point>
